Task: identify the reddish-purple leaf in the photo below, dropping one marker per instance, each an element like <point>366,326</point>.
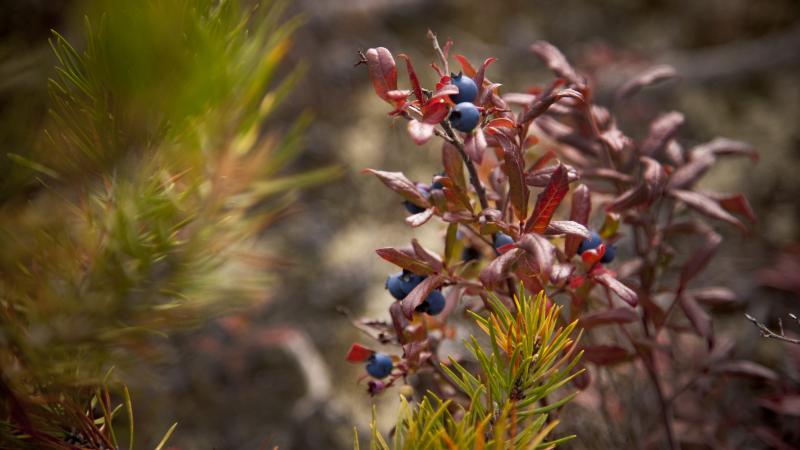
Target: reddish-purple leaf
<point>426,255</point>
<point>788,405</point>
<point>615,139</point>
<point>358,353</point>
<point>545,101</point>
<point>541,177</point>
<point>497,270</point>
<point>722,146</point>
<point>419,219</point>
<point>560,273</point>
<point>605,173</point>
<point>556,61</point>
<point>514,166</point>
<point>398,182</point>
<point>420,293</point>
<point>420,132</point>
<point>580,209</point>
<point>453,166</point>
<point>382,71</point>
<point>399,321</point>
<point>412,76</point>
<point>604,355</point>
<point>542,250</point>
<point>661,131</point>
<point>475,145</point>
<point>701,321</point>
<point>548,200</point>
<point>687,174</point>
<point>435,111</point>
<point>624,292</point>
<point>404,260</point>
<point>649,77</point>
<point>654,178</point>
<point>734,203</point>
<point>706,206</point>
<point>608,316</point>
<point>712,295</point>
<point>746,368</point>
<point>568,227</point>
<point>699,259</point>
<point>632,197</point>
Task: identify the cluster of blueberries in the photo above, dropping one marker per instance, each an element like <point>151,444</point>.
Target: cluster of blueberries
<point>401,284</point>
<point>465,115</point>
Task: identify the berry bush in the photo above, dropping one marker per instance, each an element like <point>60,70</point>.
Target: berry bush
<point>622,258</point>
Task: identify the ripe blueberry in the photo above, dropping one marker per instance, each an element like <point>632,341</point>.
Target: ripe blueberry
<point>467,89</point>
<point>464,117</point>
<point>433,304</point>
<point>400,284</point>
<point>501,239</point>
<point>590,244</point>
<point>379,365</point>
<point>608,256</point>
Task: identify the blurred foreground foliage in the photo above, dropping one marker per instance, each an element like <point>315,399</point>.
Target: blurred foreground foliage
<point>137,208</point>
<point>530,357</point>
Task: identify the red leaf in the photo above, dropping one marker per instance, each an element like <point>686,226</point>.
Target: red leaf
<point>420,293</point>
<point>466,66</point>
<point>746,368</point>
<point>481,74</point>
<point>661,131</point>
<point>543,160</point>
<point>426,255</point>
<point>783,404</point>
<point>420,132</point>
<point>514,166</point>
<point>358,353</point>
<point>701,321</point>
<point>542,250</point>
<point>613,315</point>
<point>654,178</point>
<point>412,76</point>
<point>699,259</point>
<point>556,61</point>
<point>497,270</point>
<point>734,203</point>
<point>435,111</point>
<point>605,173</point>
<point>382,71</point>
<point>454,166</point>
<point>501,122</point>
<point>545,101</point>
<point>548,200</point>
<point>604,355</point>
<point>579,212</point>
<point>541,177</point>
<point>419,219</point>
<point>706,206</point>
<point>398,182</point>
<point>649,77</point>
<point>624,292</point>
<point>404,260</point>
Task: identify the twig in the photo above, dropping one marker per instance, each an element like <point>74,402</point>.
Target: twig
<point>767,333</point>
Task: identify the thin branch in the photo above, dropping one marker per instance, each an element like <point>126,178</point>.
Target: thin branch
<point>767,333</point>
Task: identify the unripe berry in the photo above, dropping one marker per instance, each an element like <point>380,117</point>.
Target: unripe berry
<point>590,243</point>
<point>467,89</point>
<point>501,239</point>
<point>465,117</point>
<point>433,304</point>
<point>379,365</point>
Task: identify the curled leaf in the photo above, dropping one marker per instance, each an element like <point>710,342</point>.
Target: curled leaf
<point>497,270</point>
<point>568,227</point>
<point>420,293</point>
<point>542,250</point>
<point>382,71</point>
<point>624,292</point>
<point>649,77</point>
<point>398,182</point>
<point>662,130</point>
<point>420,132</point>
<point>556,61</point>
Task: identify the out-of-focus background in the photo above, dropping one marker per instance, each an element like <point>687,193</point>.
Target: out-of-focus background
<point>276,375</point>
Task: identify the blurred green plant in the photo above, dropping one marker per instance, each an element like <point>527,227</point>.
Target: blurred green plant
<point>139,207</point>
<point>530,358</point>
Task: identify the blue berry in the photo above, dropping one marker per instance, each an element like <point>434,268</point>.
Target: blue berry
<point>433,304</point>
<point>590,244</point>
<point>379,365</point>
<point>467,89</point>
<point>470,254</point>
<point>465,117</point>
<point>413,208</point>
<point>501,239</point>
<point>400,284</point>
<point>608,256</point>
